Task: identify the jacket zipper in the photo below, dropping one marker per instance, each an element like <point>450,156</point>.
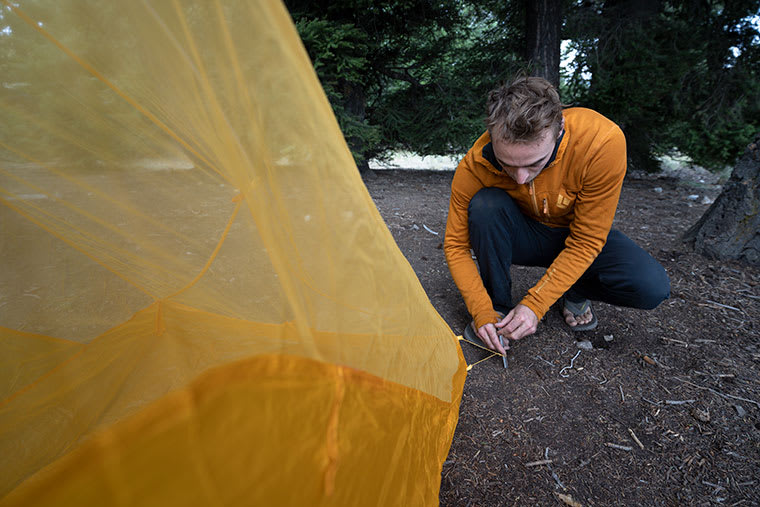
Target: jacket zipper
<point>532,193</point>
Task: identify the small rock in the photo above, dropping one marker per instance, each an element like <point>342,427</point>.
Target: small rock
<point>740,410</point>
<point>415,227</point>
<point>608,337</point>
<point>707,200</point>
<point>693,197</point>
<point>658,190</point>
<point>585,345</point>
<point>701,415</point>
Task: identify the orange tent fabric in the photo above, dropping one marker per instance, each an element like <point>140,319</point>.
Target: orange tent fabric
<point>199,302</point>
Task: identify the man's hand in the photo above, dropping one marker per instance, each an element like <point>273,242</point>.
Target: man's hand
<point>518,323</point>
<point>488,334</point>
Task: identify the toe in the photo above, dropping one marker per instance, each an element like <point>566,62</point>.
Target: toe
<point>570,318</point>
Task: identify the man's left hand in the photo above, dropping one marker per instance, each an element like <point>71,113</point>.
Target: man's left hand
<point>518,323</point>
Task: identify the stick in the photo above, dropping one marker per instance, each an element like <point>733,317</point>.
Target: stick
<point>636,439</point>
<point>680,342</point>
<point>722,395</point>
<point>431,231</point>
<point>622,396</point>
<point>724,306</point>
<point>562,371</point>
<point>554,475</point>
<point>677,402</point>
<point>619,447</point>
<point>539,463</point>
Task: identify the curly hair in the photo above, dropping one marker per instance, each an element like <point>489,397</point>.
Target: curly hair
<point>519,112</point>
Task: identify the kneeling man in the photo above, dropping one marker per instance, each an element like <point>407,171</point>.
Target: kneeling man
<point>540,188</point>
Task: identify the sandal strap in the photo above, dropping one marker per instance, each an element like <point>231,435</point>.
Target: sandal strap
<point>577,309</point>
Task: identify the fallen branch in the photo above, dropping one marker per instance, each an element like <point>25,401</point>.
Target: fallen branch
<point>724,306</point>
<point>722,395</point>
<point>554,475</point>
<point>636,439</point>
<point>619,447</point>
<point>539,463</point>
<point>680,342</point>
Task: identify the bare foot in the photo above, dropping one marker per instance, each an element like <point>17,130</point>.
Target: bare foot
<point>573,321</point>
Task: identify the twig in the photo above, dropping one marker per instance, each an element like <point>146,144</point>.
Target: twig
<point>539,463</point>
<point>619,447</point>
<point>680,342</point>
<point>719,375</point>
<point>431,231</point>
<point>622,396</point>
<point>722,395</point>
<point>678,402</point>
<point>724,306</point>
<point>636,439</point>
<point>705,340</point>
<point>544,360</point>
<point>554,475</point>
<point>562,371</point>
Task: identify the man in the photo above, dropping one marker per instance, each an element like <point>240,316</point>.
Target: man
<point>540,188</point>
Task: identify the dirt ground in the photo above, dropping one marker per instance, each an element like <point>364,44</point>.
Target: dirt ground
<point>663,410</point>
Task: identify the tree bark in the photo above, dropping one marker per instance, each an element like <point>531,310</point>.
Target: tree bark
<point>730,228</point>
<point>543,23</point>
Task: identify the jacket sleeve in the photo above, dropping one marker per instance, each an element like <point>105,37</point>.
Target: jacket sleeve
<point>457,246</point>
<point>594,212</point>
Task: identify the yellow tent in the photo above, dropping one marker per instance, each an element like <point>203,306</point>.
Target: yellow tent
<point>199,303</point>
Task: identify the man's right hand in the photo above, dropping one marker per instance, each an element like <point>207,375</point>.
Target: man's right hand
<point>490,337</point>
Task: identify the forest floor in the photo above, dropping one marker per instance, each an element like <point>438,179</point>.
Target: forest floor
<point>663,410</point>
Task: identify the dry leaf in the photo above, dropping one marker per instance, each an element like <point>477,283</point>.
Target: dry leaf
<point>568,500</point>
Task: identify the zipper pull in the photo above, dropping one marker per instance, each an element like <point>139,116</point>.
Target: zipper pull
<point>546,208</point>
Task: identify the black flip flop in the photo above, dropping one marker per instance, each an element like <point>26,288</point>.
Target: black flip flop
<point>578,309</point>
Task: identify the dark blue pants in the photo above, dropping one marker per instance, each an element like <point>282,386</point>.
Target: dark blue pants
<point>501,235</point>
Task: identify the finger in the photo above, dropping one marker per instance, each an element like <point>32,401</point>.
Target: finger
<point>521,332</point>
<point>493,337</point>
<point>506,320</point>
<point>495,340</point>
<point>514,324</point>
<point>485,336</point>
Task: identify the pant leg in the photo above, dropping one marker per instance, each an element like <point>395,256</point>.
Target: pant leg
<point>624,274</point>
<point>500,234</point>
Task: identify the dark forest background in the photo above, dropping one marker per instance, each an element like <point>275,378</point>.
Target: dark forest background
<point>413,74</point>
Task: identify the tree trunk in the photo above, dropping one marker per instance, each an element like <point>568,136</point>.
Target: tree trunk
<point>543,22</point>
<point>355,105</point>
<point>730,228</point>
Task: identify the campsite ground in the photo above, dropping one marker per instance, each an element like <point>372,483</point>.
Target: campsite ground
<point>664,410</point>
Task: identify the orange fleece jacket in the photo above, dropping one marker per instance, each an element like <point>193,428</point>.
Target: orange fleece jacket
<point>580,190</point>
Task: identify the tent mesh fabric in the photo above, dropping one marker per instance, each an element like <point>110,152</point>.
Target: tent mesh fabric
<point>199,302</point>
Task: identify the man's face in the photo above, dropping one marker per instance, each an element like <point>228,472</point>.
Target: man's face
<point>524,161</point>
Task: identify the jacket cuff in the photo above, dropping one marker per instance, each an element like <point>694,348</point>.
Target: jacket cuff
<point>484,318</point>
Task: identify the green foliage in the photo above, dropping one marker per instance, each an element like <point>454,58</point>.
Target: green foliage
<point>680,75</point>
<point>413,74</point>
<point>420,69</point>
<point>340,54</point>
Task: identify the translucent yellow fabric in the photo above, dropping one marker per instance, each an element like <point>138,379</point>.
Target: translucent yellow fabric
<point>199,303</point>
